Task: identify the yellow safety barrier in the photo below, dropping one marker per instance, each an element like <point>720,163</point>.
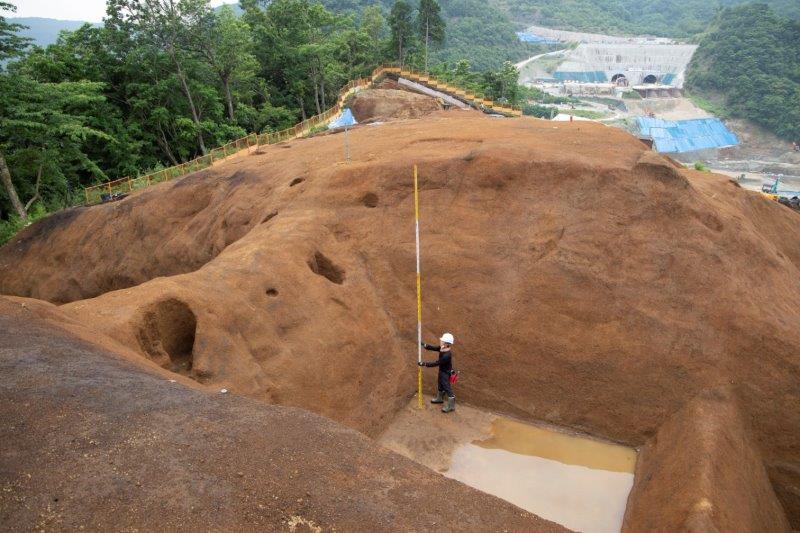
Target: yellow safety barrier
<point>126,185</point>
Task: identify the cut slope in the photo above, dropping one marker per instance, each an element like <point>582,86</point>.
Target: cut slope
<point>385,104</point>
<point>589,282</point>
<point>91,442</point>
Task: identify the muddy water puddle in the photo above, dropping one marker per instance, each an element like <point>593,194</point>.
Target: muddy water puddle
<point>580,483</point>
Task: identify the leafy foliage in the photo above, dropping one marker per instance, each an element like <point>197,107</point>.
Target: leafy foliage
<point>477,31</point>
<point>749,59</point>
<point>158,84</point>
<point>499,85</point>
<point>401,24</point>
<point>675,18</point>
<point>11,44</point>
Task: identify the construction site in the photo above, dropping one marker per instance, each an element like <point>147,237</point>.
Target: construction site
<point>637,83</point>
<point>238,347</point>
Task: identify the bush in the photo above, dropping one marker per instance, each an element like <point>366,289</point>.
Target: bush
<point>12,226</point>
<point>539,111</point>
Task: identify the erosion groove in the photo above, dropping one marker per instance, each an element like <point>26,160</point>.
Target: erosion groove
<point>322,266</point>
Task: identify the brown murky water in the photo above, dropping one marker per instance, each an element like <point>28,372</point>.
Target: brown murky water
<point>578,482</point>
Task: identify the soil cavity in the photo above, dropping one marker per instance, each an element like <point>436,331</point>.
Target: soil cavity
<point>324,267</point>
<point>167,334</point>
<point>370,199</point>
<point>578,482</point>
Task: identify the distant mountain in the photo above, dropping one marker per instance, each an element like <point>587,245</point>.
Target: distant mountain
<point>44,31</point>
<point>233,5</point>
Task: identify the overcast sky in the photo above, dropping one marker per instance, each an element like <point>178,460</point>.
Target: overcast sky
<point>88,10</point>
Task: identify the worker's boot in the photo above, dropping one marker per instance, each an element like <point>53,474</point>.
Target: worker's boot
<point>451,405</point>
<point>438,398</point>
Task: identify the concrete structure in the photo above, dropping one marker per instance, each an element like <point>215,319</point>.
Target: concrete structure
<point>638,63</point>
<point>657,91</point>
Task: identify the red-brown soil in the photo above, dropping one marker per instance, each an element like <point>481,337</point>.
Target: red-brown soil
<point>91,442</point>
<point>703,462</point>
<point>387,104</point>
<point>588,281</point>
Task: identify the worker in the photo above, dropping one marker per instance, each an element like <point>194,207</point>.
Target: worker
<point>445,364</point>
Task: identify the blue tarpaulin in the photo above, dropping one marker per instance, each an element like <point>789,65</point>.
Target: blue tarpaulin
<point>527,37</point>
<point>667,79</point>
<point>345,118</point>
<point>671,136</point>
<point>590,76</point>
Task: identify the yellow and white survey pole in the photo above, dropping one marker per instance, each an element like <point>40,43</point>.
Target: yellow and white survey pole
<point>419,293</point>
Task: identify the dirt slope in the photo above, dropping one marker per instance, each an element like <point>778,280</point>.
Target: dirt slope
<point>91,442</point>
<point>703,465</point>
<point>589,283</point>
<point>386,104</point>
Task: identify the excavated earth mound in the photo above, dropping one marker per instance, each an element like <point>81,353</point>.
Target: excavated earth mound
<point>92,442</point>
<point>590,283</point>
<point>386,104</point>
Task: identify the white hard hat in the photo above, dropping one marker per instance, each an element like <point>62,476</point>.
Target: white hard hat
<point>448,338</point>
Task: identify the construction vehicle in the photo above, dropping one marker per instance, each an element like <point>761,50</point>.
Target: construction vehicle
<point>772,188</point>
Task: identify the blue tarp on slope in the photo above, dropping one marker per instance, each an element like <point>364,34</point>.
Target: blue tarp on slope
<point>590,76</point>
<point>345,118</point>
<point>671,136</point>
<point>527,37</point>
<point>667,79</point>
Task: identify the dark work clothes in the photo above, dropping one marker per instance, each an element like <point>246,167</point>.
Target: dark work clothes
<point>444,384</point>
<point>445,364</point>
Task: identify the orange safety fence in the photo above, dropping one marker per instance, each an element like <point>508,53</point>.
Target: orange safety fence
<point>109,190</point>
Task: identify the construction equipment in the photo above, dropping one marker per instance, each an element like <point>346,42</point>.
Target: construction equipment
<point>772,188</point>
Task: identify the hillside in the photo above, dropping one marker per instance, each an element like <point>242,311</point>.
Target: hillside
<point>590,283</point>
<point>678,18</point>
<point>476,31</point>
<point>45,31</point>
<point>748,62</point>
<point>93,441</point>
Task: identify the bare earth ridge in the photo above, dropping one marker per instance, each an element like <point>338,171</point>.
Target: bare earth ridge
<point>590,282</point>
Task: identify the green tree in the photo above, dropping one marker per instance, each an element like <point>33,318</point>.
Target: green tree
<point>373,24</point>
<point>165,26</point>
<point>44,132</point>
<point>430,25</point>
<point>11,44</point>
<point>225,42</point>
<point>749,62</point>
<point>401,24</point>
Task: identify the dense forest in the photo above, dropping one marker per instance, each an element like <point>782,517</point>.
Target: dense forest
<point>749,60</point>
<point>476,31</point>
<point>673,18</point>
<point>160,83</point>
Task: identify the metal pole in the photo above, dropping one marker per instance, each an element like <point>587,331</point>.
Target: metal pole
<point>419,293</point>
<point>346,145</point>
